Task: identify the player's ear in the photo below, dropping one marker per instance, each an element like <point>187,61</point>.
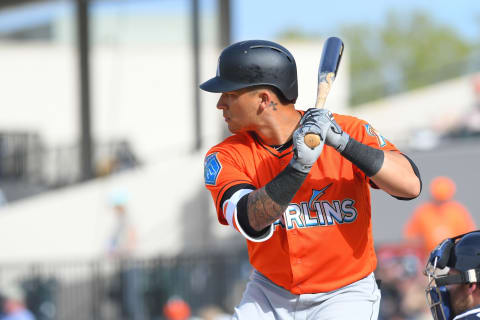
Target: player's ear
<point>264,99</point>
<point>474,289</point>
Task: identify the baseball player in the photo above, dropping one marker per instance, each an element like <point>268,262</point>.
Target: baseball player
<point>453,269</point>
<point>305,213</point>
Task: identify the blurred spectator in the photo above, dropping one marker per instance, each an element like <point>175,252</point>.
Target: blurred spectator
<point>13,305</point>
<point>399,269</point>
<point>123,240</point>
<point>439,218</point>
<point>176,309</point>
<point>128,291</point>
<point>119,159</point>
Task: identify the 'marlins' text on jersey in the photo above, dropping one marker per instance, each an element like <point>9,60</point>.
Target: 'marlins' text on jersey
<point>318,213</point>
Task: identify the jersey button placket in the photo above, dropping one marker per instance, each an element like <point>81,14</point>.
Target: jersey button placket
<point>296,260</point>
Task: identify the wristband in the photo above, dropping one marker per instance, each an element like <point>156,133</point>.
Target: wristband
<point>285,185</point>
<point>366,158</point>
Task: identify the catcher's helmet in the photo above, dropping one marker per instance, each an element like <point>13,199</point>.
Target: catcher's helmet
<point>255,62</point>
<point>466,253</point>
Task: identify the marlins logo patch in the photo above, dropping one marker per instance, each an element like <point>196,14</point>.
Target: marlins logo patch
<point>317,194</point>
<point>374,133</point>
<point>212,168</point>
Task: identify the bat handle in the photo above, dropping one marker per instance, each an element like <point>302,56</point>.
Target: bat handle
<point>311,139</point>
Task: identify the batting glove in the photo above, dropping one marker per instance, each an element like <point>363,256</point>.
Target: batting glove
<point>336,137</point>
<point>304,157</point>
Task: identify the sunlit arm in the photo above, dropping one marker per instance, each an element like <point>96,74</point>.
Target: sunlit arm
<point>396,176</point>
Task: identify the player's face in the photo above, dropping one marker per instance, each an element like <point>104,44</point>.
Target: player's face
<point>460,299</point>
<point>239,109</point>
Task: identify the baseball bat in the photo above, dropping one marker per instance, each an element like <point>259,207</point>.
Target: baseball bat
<point>327,71</point>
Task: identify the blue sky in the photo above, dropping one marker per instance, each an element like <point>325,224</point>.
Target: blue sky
<point>267,18</point>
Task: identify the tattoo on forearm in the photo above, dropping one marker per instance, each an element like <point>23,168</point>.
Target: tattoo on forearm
<point>262,210</point>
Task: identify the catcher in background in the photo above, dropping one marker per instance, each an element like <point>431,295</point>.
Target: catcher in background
<point>453,271</point>
<point>305,213</point>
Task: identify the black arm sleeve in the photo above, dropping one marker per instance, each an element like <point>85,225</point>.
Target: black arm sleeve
<point>366,158</point>
<point>281,189</point>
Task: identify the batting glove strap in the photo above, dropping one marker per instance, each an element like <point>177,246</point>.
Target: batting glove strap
<point>285,185</point>
<point>336,137</point>
<point>366,158</point>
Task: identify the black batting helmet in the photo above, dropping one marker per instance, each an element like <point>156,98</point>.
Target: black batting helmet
<point>252,63</point>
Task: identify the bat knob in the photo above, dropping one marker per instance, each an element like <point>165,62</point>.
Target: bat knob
<point>311,140</point>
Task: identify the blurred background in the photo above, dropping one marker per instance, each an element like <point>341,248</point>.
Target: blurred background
<point>103,212</point>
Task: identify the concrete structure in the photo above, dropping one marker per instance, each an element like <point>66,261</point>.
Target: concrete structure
<point>437,107</point>
<point>142,94</point>
<point>139,93</point>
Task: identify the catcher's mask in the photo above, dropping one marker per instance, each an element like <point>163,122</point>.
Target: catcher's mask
<point>461,253</point>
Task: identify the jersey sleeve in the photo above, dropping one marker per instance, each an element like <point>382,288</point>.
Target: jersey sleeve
<point>222,172</point>
<point>228,183</point>
<point>365,133</point>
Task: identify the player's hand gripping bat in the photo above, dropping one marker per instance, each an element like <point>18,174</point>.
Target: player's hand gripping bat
<point>327,71</point>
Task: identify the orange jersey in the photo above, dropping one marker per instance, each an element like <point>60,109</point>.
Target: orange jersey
<point>324,239</point>
<point>433,223</point>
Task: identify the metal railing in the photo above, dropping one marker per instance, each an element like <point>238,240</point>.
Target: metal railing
<point>133,289</point>
<point>28,167</point>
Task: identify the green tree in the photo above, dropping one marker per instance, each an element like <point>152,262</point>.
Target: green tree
<point>409,50</point>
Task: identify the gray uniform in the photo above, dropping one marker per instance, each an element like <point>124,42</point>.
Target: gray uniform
<point>263,299</point>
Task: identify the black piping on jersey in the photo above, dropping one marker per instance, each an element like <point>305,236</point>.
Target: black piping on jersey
<point>229,184</point>
<point>230,191</point>
<point>286,145</point>
<point>283,147</point>
<point>415,170</point>
<point>417,173</point>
